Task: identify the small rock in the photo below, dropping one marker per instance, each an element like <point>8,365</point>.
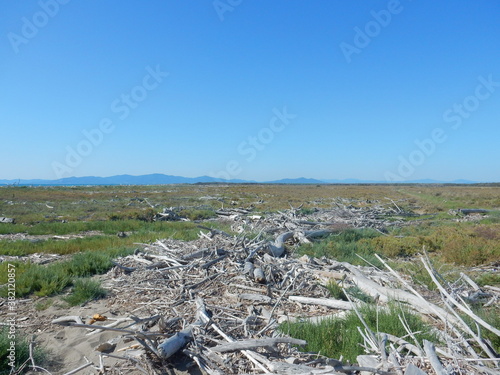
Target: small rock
<point>106,347</point>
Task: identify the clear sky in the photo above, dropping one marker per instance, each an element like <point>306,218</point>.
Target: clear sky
<point>251,89</point>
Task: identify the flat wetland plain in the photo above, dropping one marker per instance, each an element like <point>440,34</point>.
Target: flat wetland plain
<point>85,227</point>
<point>66,220</point>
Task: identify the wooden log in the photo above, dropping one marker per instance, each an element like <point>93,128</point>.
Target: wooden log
<point>330,274</point>
<point>176,342</point>
<point>332,303</point>
<point>68,320</point>
<point>384,293</point>
<point>433,358</point>
<point>469,211</point>
<point>258,275</point>
<point>367,361</point>
<point>212,262</point>
<point>411,369</point>
<point>255,297</point>
<point>125,268</point>
<point>256,343</point>
<point>248,268</point>
<point>197,254</point>
<point>7,220</point>
<point>278,247</point>
<point>464,309</point>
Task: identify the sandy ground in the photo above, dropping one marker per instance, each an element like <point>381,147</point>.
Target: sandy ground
<point>70,347</point>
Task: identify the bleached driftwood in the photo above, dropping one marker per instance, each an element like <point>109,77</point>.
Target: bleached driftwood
<point>259,276</point>
<point>278,247</point>
<point>257,343</point>
<point>464,309</point>
<point>433,358</point>
<point>68,320</point>
<point>255,297</point>
<point>384,294</point>
<point>332,303</point>
<point>176,342</point>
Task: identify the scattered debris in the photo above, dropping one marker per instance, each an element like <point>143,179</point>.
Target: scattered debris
<point>220,299</point>
<point>216,303</point>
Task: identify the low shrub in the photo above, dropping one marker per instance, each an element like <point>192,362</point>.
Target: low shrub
<point>340,337</point>
<point>53,278</point>
<point>197,214</point>
<point>344,246</point>
<point>22,353</point>
<point>85,290</point>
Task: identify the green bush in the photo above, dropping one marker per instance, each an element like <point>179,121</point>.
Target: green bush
<point>340,337</point>
<point>85,290</point>
<point>395,246</point>
<point>53,278</point>
<point>488,278</point>
<point>198,214</point>
<point>336,291</point>
<point>344,247</point>
<point>21,351</point>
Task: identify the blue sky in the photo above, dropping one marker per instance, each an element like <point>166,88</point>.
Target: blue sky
<point>260,89</point>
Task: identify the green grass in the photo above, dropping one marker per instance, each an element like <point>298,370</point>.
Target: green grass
<point>337,292</point>
<point>344,247</point>
<point>488,278</point>
<point>490,315</point>
<point>462,244</point>
<point>21,351</point>
<point>142,233</point>
<point>85,290</point>
<point>340,337</point>
<point>43,305</point>
<point>54,278</point>
<point>111,226</point>
<point>493,218</point>
<point>198,214</point>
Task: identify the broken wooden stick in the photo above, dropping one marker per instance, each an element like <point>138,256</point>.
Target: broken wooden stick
<point>257,343</point>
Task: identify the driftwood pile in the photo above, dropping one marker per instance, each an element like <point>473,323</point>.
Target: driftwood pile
<point>218,302</point>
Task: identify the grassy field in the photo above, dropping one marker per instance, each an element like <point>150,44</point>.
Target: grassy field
<point>96,214</point>
<point>82,224</point>
<point>100,212</point>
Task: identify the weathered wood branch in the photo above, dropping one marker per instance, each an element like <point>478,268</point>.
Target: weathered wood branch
<point>278,247</point>
<point>257,343</point>
<point>465,310</point>
<point>433,358</point>
<point>176,342</point>
<point>332,303</point>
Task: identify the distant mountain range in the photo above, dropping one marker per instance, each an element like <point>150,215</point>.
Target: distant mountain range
<point>160,179</point>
